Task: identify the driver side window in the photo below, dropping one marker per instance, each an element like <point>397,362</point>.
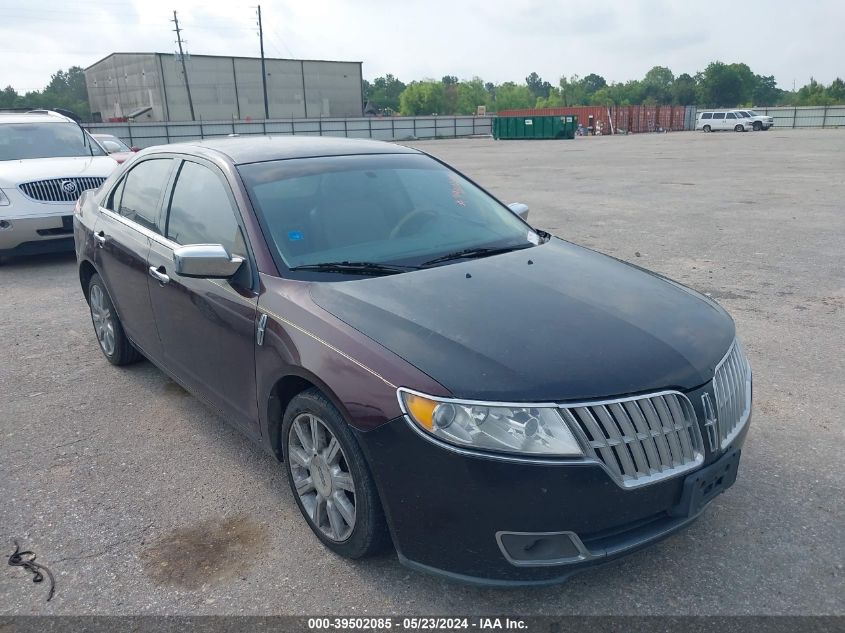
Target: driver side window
<point>201,211</point>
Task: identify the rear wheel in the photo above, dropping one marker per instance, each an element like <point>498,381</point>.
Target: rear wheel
<point>110,335</point>
<point>739,128</point>
<point>707,128</point>
<point>329,478</point>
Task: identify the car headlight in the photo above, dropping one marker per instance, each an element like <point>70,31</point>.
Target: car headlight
<point>526,430</point>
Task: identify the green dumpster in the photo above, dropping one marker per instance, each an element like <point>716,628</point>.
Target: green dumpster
<point>535,127</point>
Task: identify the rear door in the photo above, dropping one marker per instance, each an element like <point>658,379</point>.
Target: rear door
<point>128,218</point>
<point>206,326</point>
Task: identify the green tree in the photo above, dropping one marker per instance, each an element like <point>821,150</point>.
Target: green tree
<point>384,92</point>
<point>422,97</point>
<point>684,90</point>
<point>471,94</point>
<point>766,91</point>
<point>449,80</point>
<point>657,85</point>
<point>592,83</point>
<point>572,91</point>
<point>724,85</point>
<point>9,97</point>
<point>511,96</point>
<point>812,94</point>
<point>538,87</point>
<point>836,91</point>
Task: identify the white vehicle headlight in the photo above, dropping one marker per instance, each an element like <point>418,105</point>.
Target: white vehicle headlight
<point>525,430</point>
<point>4,200</point>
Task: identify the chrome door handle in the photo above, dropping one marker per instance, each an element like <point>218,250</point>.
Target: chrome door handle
<point>161,277</point>
<point>100,238</point>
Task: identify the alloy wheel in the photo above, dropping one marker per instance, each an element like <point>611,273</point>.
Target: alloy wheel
<point>103,320</point>
<point>322,477</point>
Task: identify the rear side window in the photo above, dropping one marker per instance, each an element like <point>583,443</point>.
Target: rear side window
<point>201,211</point>
<point>707,115</point>
<point>142,191</point>
<point>113,203</point>
<point>730,115</point>
<point>719,115</point>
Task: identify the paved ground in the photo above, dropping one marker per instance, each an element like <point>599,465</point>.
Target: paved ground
<point>101,466</point>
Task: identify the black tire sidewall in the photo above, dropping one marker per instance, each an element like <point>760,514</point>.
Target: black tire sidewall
<point>370,532</point>
<point>707,129</point>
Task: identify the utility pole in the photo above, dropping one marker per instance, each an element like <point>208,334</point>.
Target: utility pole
<point>263,69</point>
<point>184,69</point>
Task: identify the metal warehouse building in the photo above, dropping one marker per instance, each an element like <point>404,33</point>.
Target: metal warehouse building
<point>151,87</point>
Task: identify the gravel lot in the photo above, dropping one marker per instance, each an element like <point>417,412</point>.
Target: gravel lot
<point>143,502</point>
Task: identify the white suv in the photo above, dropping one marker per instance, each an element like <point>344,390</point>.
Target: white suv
<point>713,121</point>
<point>46,162</point>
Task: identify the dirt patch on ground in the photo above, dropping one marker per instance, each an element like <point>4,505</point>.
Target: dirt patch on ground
<point>210,551</point>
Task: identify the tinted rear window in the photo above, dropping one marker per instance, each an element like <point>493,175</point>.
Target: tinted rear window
<point>707,115</point>
<point>718,115</point>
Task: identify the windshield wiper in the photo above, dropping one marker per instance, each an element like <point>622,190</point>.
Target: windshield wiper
<point>470,253</point>
<point>356,268</point>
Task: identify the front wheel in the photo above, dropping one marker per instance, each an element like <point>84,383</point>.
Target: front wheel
<point>757,126</point>
<point>114,344</point>
<point>707,128</point>
<point>739,128</point>
<point>329,478</point>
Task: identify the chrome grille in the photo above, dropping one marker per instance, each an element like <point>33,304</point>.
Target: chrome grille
<point>640,440</point>
<point>732,388</point>
<point>60,189</point>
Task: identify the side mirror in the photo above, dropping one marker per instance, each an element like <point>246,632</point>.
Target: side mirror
<point>206,261</point>
<point>135,148</point>
<point>520,209</point>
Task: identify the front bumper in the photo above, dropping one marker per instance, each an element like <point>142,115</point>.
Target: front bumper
<point>33,235</point>
<point>447,511</point>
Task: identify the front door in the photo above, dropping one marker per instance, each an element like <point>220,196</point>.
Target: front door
<point>127,219</point>
<point>206,326</point>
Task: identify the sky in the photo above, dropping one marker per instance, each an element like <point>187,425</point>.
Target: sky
<point>415,39</point>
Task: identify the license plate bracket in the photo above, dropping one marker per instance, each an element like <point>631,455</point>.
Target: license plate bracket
<point>703,486</point>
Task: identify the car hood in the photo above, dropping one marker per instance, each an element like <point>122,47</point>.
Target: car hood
<point>15,172</point>
<point>553,323</point>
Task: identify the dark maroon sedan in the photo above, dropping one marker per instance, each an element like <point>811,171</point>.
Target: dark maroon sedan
<point>504,405</point>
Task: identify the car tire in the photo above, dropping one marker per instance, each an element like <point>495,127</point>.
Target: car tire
<point>319,478</point>
<point>111,338</point>
<point>757,126</point>
<point>739,128</point>
<point>707,128</point>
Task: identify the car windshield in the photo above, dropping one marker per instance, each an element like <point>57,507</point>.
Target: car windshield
<point>752,113</point>
<point>20,141</point>
<point>390,209</point>
<point>743,113</point>
<point>112,144</point>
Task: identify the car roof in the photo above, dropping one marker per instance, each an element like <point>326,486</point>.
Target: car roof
<point>33,117</point>
<point>255,149</point>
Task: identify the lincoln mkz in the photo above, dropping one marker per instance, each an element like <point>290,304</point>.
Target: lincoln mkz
<point>503,405</point>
